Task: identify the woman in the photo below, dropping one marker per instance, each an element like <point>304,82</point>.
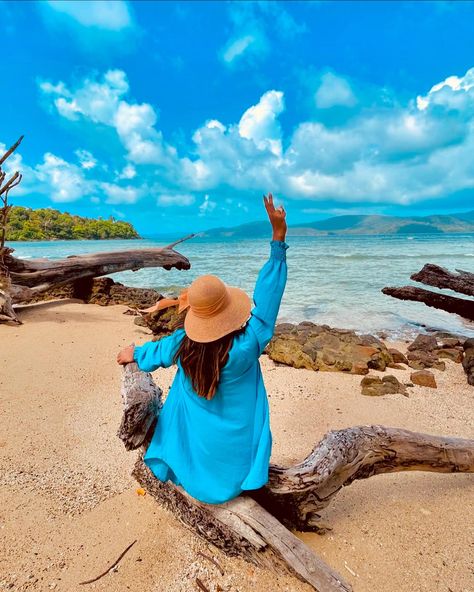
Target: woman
<point>213,434</point>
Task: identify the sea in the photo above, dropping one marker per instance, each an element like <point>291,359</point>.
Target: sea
<point>334,280</point>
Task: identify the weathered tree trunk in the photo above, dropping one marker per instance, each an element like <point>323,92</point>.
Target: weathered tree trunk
<point>255,526</point>
<point>43,274</point>
<point>439,277</point>
<point>29,277</point>
<point>460,306</point>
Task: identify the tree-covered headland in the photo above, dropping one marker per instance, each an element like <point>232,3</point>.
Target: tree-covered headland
<point>26,224</point>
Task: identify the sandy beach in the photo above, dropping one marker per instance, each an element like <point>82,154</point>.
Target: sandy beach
<point>68,506</point>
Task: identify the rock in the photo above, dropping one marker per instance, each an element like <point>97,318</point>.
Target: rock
<point>398,357</point>
<point>162,322</point>
<point>468,361</point>
<point>320,347</point>
<point>426,343</point>
<point>104,291</point>
<point>449,342</point>
<point>373,386</point>
<point>424,378</point>
<point>454,354</point>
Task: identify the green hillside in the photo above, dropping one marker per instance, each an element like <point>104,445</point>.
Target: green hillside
<point>26,224</point>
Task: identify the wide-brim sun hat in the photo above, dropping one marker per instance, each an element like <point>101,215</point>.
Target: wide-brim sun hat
<point>214,309</point>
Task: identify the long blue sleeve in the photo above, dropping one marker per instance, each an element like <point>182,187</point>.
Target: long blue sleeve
<point>158,354</point>
<point>268,293</point>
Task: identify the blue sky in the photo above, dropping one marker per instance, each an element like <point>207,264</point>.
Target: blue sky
<point>178,116</point>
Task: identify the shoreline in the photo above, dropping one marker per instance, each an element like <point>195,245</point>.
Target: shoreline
<point>69,505</point>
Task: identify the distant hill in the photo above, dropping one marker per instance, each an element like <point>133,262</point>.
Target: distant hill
<point>358,225</point>
<point>26,224</point>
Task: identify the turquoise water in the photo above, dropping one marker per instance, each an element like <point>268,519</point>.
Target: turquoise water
<point>334,280</point>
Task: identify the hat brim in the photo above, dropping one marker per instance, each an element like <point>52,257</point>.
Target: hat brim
<point>227,320</point>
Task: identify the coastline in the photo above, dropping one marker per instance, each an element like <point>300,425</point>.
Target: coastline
<point>69,505</point>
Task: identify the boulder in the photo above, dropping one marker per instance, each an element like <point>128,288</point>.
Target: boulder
<point>419,360</point>
<point>426,343</point>
<point>398,357</point>
<point>162,322</point>
<point>320,347</point>
<point>423,378</point>
<point>373,386</point>
<point>468,361</point>
<point>104,291</point>
<point>454,354</point>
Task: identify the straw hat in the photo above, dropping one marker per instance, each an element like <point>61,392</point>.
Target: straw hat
<point>214,309</point>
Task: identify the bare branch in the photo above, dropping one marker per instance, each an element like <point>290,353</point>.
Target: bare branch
<point>12,149</point>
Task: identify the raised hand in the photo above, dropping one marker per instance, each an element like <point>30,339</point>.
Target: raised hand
<point>277,217</point>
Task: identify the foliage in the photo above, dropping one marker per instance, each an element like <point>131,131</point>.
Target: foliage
<point>26,224</point>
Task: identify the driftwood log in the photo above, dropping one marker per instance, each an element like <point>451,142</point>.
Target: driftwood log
<point>257,526</point>
<point>28,277</point>
<point>460,306</point>
<point>439,277</point>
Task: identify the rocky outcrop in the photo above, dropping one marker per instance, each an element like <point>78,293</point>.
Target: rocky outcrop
<point>162,322</point>
<point>468,361</point>
<point>427,351</point>
<point>397,356</point>
<point>423,378</point>
<point>374,386</point>
<point>320,347</point>
<point>103,291</point>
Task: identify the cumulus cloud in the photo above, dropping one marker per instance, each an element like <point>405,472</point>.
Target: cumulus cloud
<point>453,93</point>
<point>112,15</point>
<point>103,101</point>
<point>334,91</point>
<point>381,153</point>
<point>65,182</point>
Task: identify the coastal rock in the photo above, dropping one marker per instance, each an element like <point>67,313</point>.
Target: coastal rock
<point>425,343</point>
<point>374,386</point>
<point>423,378</point>
<point>468,361</point>
<point>398,357</point>
<point>419,360</point>
<point>162,322</point>
<point>103,291</point>
<point>320,347</point>
<point>454,354</point>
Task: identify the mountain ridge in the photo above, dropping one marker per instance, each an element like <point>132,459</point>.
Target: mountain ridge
<point>357,224</point>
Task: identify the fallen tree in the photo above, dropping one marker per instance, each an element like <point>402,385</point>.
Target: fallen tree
<point>460,306</point>
<point>256,526</point>
<point>439,277</point>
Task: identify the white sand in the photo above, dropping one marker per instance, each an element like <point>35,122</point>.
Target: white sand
<point>68,506</point>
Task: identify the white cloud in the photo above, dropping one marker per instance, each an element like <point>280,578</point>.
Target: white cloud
<point>453,93</point>
<point>236,47</point>
<point>103,101</point>
<point>334,91</point>
<point>112,15</point>
<point>86,159</point>
<point>260,122</point>
<point>182,199</point>
<point>380,153</point>
<point>65,182</point>
<point>120,195</point>
<point>207,206</point>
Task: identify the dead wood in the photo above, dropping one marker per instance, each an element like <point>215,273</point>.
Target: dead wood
<point>439,277</point>
<point>460,306</point>
<point>256,526</point>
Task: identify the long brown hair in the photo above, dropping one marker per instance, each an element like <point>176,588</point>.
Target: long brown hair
<point>203,362</point>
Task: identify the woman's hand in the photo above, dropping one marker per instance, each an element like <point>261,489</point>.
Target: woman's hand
<point>126,355</point>
<point>277,217</point>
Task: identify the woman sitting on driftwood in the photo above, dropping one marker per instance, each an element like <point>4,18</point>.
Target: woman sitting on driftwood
<point>213,434</point>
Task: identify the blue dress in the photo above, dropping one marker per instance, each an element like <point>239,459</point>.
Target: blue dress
<point>217,448</point>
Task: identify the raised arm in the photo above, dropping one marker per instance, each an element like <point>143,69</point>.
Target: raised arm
<point>271,280</point>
